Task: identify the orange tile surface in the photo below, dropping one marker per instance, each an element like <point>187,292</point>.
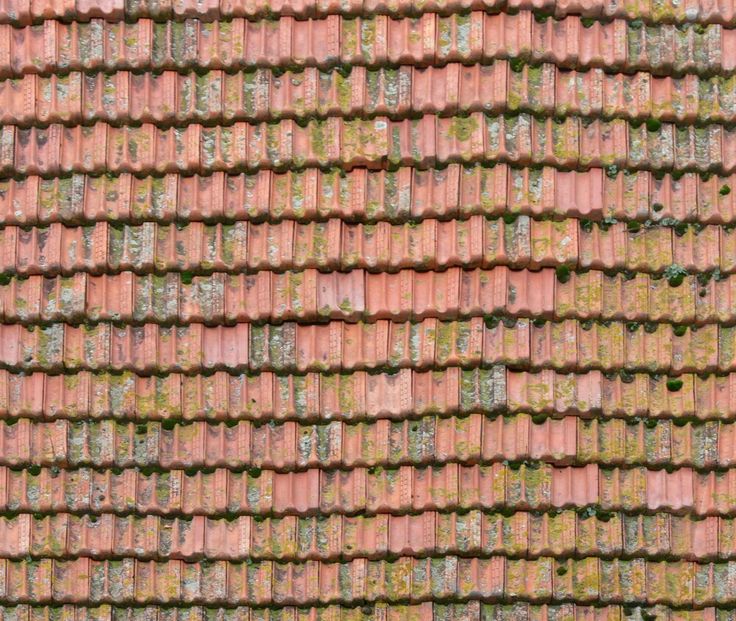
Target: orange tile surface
<point>367,310</point>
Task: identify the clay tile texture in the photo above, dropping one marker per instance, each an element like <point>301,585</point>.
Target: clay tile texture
<point>367,310</point>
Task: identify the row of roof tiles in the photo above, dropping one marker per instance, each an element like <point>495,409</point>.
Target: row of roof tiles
<point>406,579</point>
<point>357,396</point>
<point>339,346</point>
<point>311,296</point>
<point>519,243</point>
<point>521,139</point>
<point>532,486</point>
<point>521,534</point>
<point>367,195</point>
<point>56,47</point>
<point>26,11</point>
<point>431,439</point>
<point>472,610</point>
<point>216,96</point>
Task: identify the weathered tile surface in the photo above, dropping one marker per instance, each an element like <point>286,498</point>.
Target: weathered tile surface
<point>367,310</point>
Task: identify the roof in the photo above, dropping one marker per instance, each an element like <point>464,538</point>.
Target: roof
<point>367,310</point>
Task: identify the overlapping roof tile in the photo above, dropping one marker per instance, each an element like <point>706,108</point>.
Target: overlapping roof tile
<point>367,310</point>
